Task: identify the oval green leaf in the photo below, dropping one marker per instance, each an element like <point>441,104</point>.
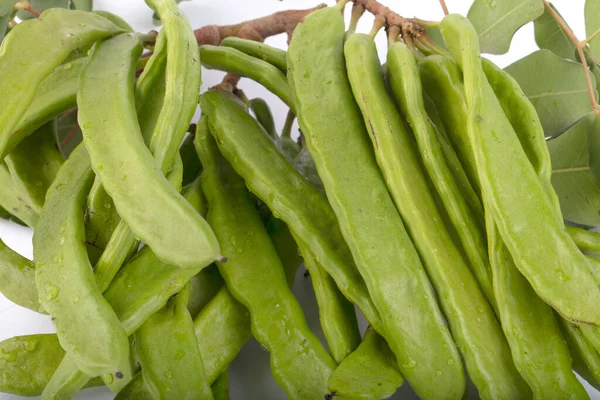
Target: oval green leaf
<point>550,36</point>
<point>592,27</point>
<point>496,21</point>
<point>557,88</point>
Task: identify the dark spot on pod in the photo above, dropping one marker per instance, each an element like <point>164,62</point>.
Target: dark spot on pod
<point>222,260</point>
<point>306,273</point>
<point>330,396</point>
<point>119,375</point>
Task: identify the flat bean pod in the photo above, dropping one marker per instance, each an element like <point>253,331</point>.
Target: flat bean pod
<point>65,280</point>
<point>57,33</point>
<point>270,176</point>
<point>406,88</point>
<point>17,279</point>
<point>336,313</point>
<point>220,388</point>
<point>263,51</point>
<point>28,362</point>
<point>135,390</point>
<point>481,340</point>
<point>370,372</point>
<point>234,61</point>
<point>12,200</point>
<point>263,115</point>
<point>261,286</point>
<point>168,353</point>
<point>385,256</point>
<point>34,164</point>
<point>180,237</point>
<point>516,195</point>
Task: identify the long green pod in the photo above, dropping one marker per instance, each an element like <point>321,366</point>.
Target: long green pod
<point>533,345</point>
<point>481,340</point>
<point>168,353</point>
<point>263,115</point>
<point>234,61</point>
<point>584,239</point>
<point>17,279</point>
<point>336,313</point>
<point>385,256</point>
<point>65,280</point>
<point>220,388</point>
<point>126,167</point>
<point>538,347</point>
<point>586,361</point>
<point>256,278</point>
<point>28,362</point>
<point>58,32</point>
<point>34,164</point>
<point>141,288</point>
<point>13,201</point>
<point>263,51</point>
<point>369,373</point>
<point>270,176</point>
<point>183,77</point>
<point>55,95</point>
<point>519,204</point>
<point>406,88</point>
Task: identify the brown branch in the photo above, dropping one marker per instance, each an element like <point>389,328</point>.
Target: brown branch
<point>257,29</point>
<point>444,7</point>
<point>579,44</point>
<point>25,6</point>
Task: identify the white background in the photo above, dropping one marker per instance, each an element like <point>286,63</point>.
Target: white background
<point>250,374</point>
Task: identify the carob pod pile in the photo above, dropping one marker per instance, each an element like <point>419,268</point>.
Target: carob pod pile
<point>419,193</point>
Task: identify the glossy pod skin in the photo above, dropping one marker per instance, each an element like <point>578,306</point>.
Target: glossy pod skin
<point>55,95</point>
<point>58,32</point>
<point>370,372</point>
<point>336,313</point>
<point>168,353</point>
<point>384,254</point>
<point>180,237</point>
<point>34,164</point>
<point>271,177</point>
<point>570,287</point>
<point>12,200</point>
<point>28,362</point>
<point>263,115</point>
<point>263,51</point>
<point>65,280</point>
<point>255,277</point>
<point>481,340</point>
<point>406,88</point>
<point>17,279</point>
<point>231,60</point>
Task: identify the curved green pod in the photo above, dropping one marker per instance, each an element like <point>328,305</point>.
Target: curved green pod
<point>263,115</point>
<point>369,373</point>
<point>126,167</point>
<point>263,51</point>
<point>57,33</point>
<point>12,200</point>
<point>234,61</point>
<point>255,276</point>
<point>17,279</point>
<point>64,277</point>
<point>271,177</point>
<point>412,322</point>
<point>566,286</point>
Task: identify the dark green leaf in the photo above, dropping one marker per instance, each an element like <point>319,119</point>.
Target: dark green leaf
<point>84,5</point>
<point>496,21</point>
<point>592,27</point>
<point>557,88</point>
<point>6,7</point>
<point>41,6</point>
<point>573,160</point>
<point>68,133</point>
<point>550,36</point>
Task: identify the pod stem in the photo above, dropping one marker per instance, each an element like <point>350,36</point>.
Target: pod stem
<point>25,6</point>
<point>394,33</point>
<point>289,122</point>
<point>379,23</point>
<point>427,46</point>
<point>357,11</point>
<point>444,7</point>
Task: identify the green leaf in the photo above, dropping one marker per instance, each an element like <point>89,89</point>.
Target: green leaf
<point>68,133</point>
<point>6,7</point>
<point>557,88</point>
<point>550,36</point>
<point>41,6</point>
<point>83,5</point>
<point>578,188</point>
<point>496,21</point>
<point>592,27</point>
